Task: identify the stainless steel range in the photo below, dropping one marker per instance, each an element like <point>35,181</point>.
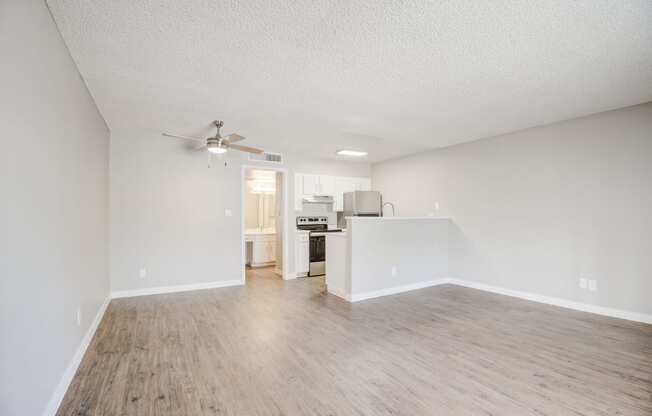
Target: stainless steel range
<point>318,227</point>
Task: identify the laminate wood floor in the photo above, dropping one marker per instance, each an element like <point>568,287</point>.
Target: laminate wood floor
<point>287,348</point>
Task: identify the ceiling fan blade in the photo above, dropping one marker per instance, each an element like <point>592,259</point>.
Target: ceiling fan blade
<point>245,149</point>
<point>183,137</point>
<point>200,148</point>
<point>233,138</point>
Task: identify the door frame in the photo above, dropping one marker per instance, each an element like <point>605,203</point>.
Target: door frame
<point>286,216</point>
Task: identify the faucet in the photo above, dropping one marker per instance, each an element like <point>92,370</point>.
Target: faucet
<point>391,205</point>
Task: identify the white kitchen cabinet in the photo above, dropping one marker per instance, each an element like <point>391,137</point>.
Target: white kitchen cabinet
<point>308,185</point>
<point>317,184</point>
<point>326,185</point>
<point>302,253</point>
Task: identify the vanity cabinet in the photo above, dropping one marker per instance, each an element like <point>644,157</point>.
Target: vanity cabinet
<point>263,249</point>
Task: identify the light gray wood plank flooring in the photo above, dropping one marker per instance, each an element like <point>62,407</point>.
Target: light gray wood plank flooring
<point>287,348</point>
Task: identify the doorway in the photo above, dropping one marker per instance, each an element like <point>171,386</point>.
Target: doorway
<point>264,220</point>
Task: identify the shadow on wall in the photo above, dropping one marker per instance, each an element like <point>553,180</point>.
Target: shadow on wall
<point>466,261</point>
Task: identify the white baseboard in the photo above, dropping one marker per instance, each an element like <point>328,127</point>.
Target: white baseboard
<point>564,303</point>
<point>290,276</point>
<point>172,289</point>
<point>356,297</point>
<point>66,379</point>
<point>338,293</point>
<point>261,265</point>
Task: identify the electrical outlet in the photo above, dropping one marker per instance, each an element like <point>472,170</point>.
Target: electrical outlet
<point>593,285</point>
<point>228,213</point>
<point>394,270</point>
<point>436,206</point>
<point>583,283</point>
<point>79,317</point>
<point>142,272</point>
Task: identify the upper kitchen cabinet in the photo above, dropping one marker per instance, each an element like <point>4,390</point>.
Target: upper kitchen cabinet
<point>316,184</point>
<point>308,185</point>
<point>326,185</point>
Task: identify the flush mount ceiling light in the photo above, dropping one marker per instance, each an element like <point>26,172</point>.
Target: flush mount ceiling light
<point>348,152</point>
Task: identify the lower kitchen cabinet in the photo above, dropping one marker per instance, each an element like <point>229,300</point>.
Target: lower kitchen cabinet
<point>302,253</point>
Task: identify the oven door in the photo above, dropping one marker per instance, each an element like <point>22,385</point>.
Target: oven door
<point>317,255</point>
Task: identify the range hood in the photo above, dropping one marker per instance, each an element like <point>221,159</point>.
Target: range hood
<point>318,199</point>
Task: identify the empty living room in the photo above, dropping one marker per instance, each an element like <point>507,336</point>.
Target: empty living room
<point>326,208</point>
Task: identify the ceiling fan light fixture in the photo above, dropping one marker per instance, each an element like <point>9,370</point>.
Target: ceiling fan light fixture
<point>218,144</point>
<point>216,149</point>
<point>349,152</point>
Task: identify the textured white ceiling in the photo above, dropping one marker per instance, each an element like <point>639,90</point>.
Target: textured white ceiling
<point>389,77</point>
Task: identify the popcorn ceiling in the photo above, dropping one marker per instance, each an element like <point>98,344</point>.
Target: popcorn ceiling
<point>390,77</point>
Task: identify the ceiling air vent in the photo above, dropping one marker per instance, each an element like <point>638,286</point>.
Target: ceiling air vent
<point>266,157</point>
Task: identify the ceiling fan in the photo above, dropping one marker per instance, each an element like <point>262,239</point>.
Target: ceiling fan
<point>218,144</point>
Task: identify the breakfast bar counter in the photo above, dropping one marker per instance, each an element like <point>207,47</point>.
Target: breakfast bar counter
<point>379,256</point>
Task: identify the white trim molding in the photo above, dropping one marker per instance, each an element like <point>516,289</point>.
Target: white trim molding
<point>286,216</point>
<point>564,303</point>
<point>356,297</point>
<point>173,289</point>
<point>69,373</point>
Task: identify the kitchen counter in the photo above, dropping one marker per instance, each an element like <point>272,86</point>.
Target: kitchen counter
<point>378,256</point>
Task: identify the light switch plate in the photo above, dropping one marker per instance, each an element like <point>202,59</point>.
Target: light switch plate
<point>583,283</point>
<point>593,285</point>
<point>228,213</point>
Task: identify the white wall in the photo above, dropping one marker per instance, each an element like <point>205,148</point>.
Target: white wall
<point>167,210</point>
<point>55,167</point>
<point>536,209</point>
